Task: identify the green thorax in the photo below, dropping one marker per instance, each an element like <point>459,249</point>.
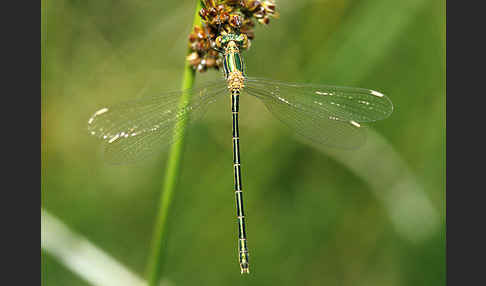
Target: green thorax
<point>232,60</point>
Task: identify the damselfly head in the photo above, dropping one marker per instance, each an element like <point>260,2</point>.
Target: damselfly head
<point>241,40</point>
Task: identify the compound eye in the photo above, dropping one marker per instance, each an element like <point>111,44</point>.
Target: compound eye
<point>218,42</point>
<point>243,41</point>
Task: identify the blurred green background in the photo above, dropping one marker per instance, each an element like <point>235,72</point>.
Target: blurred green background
<point>316,216</point>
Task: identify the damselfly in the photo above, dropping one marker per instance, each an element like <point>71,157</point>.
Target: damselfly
<point>328,115</point>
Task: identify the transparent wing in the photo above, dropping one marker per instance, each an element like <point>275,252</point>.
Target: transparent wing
<point>329,115</point>
<point>135,129</point>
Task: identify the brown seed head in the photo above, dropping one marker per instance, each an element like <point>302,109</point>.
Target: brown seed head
<point>226,16</point>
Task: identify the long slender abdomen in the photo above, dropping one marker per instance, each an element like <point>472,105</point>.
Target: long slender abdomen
<point>240,213</point>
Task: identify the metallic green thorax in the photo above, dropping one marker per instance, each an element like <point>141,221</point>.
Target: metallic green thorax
<point>232,60</point>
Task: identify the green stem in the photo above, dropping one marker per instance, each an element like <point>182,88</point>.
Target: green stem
<point>155,263</point>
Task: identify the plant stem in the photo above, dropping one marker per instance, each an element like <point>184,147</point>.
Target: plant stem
<point>159,240</point>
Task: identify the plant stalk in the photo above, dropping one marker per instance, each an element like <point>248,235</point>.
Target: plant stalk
<point>159,240</point>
